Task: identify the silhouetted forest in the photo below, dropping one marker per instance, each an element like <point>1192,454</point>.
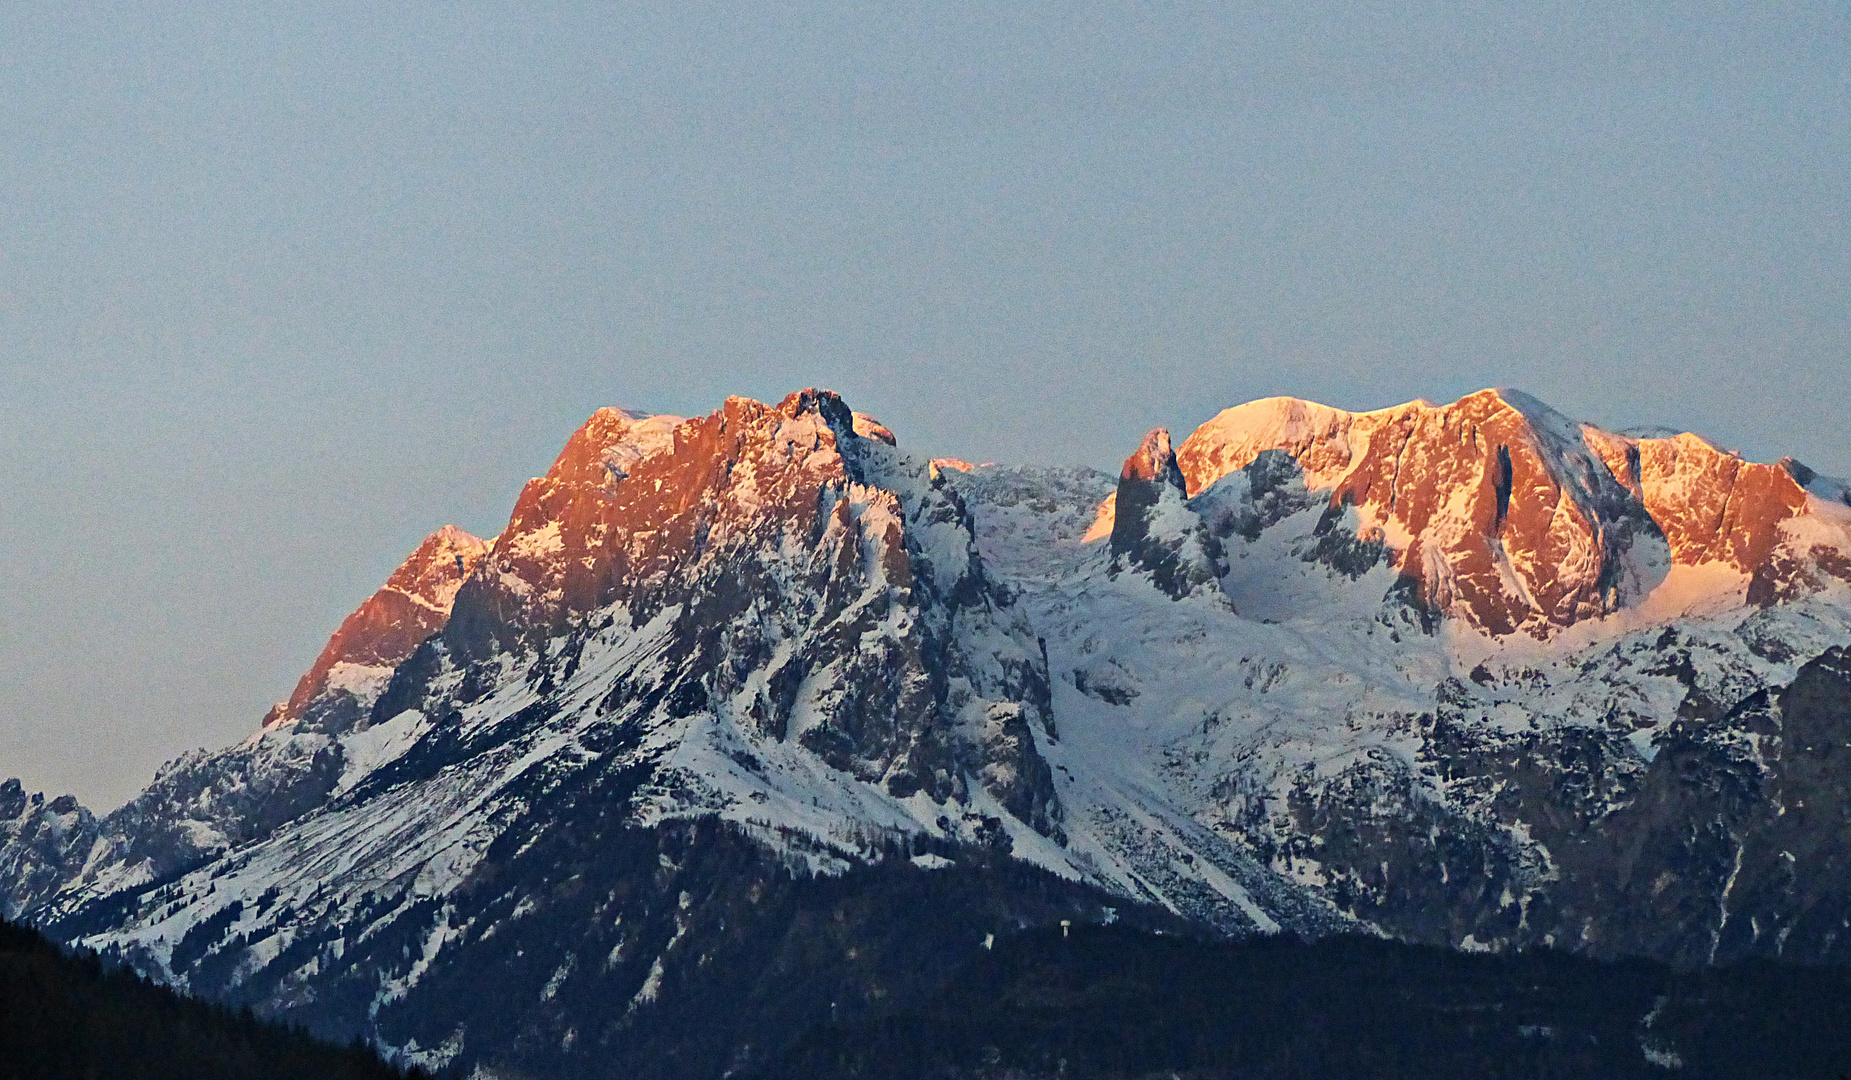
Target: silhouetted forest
<point>70,1017</point>
<point>1096,1002</point>
<point>1111,1002</point>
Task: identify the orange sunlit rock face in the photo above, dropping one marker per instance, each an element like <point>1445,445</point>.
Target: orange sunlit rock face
<point>1494,508</point>
<point>1153,461</point>
<point>1712,505</point>
<point>1179,562</point>
<point>869,428</point>
<point>631,501</point>
<point>413,604</point>
<point>1504,513</point>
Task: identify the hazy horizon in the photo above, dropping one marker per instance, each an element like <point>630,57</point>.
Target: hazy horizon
<point>282,291</point>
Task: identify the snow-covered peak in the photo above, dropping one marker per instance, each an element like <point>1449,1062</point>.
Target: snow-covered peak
<point>1501,511</point>
<point>1238,435</point>
<point>1322,434</point>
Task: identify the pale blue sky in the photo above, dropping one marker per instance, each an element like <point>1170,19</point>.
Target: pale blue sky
<point>284,287</point>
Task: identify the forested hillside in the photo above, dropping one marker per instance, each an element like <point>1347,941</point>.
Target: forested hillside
<point>1107,1002</point>
<point>67,1016</point>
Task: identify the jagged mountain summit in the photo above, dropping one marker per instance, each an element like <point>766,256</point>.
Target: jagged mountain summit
<point>1503,513</point>
<point>759,707</point>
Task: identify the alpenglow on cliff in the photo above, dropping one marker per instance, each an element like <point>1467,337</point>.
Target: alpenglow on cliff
<point>760,707</point>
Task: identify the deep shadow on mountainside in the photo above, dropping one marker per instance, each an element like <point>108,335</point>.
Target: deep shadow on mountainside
<point>69,1016</point>
<point>701,955</point>
<point>1112,1002</point>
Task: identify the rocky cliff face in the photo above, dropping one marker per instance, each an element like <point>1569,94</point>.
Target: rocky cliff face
<point>1724,840</point>
<point>340,687</point>
<point>1152,529</point>
<point>1501,512</point>
<point>39,841</point>
<point>729,686</point>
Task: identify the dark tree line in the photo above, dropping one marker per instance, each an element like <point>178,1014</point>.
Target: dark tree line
<point>1108,1002</point>
<point>69,1016</point>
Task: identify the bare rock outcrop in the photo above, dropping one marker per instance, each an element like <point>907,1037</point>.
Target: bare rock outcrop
<point>413,604</point>
<point>1152,530</point>
<point>1497,510</point>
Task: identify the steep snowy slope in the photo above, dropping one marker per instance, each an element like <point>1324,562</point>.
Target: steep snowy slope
<point>206,803</point>
<point>730,696</point>
<point>1419,689</point>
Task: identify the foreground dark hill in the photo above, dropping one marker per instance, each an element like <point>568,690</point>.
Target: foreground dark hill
<point>63,1016</point>
<point>1108,1002</point>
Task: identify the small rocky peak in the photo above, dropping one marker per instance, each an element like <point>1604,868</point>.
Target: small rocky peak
<point>845,432</point>
<point>606,447</point>
<point>1153,529</point>
<point>1829,488</point>
<point>582,459</point>
<point>824,403</point>
<point>1149,472</point>
<point>12,799</point>
<point>1802,474</point>
<point>869,428</point>
<point>1154,462</point>
<point>413,604</point>
<point>431,574</point>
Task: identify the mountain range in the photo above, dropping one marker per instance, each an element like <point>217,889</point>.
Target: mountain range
<point>758,720</point>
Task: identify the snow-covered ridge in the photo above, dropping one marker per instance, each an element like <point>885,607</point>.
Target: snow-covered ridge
<point>856,569</point>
